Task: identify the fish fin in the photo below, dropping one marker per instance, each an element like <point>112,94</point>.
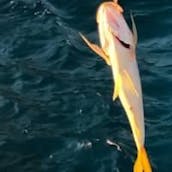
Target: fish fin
<point>142,163</point>
<point>119,8</point>
<point>134,29</point>
<point>130,82</point>
<point>96,49</point>
<point>116,1</point>
<point>116,89</point>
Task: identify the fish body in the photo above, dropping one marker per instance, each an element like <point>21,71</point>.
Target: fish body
<point>124,65</point>
<point>118,46</point>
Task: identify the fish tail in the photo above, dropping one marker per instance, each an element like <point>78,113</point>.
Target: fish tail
<point>142,163</point>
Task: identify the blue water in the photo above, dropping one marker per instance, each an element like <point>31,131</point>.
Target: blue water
<point>56,109</point>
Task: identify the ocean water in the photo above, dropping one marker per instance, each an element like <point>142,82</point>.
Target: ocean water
<point>56,109</point>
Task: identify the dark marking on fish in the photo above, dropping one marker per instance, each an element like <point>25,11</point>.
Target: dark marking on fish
<point>123,43</point>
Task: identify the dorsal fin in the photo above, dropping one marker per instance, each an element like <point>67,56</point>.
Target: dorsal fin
<point>134,29</point>
<point>116,88</point>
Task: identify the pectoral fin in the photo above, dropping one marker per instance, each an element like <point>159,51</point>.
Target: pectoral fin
<point>116,88</point>
<point>96,49</point>
<point>134,28</point>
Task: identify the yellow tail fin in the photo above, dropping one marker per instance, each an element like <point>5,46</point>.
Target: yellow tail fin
<point>142,162</point>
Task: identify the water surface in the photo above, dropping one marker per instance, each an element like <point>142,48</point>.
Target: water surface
<point>56,109</point>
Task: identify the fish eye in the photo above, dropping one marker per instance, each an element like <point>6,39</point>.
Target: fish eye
<point>123,43</point>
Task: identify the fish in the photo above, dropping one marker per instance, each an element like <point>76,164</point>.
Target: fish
<point>118,49</point>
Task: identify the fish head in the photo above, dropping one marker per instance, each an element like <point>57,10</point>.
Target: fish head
<point>112,24</point>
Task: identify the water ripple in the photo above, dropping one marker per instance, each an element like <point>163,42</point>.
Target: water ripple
<point>55,94</point>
